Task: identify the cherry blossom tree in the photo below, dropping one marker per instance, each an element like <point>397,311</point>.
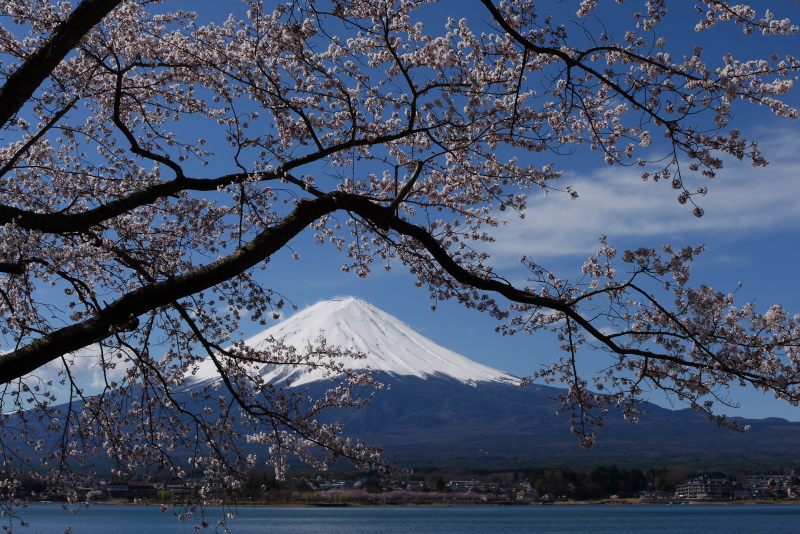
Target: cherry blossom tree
<point>152,165</point>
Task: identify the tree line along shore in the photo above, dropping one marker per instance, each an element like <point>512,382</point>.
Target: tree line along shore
<point>431,485</point>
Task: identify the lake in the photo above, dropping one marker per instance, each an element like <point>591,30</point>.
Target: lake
<point>562,519</point>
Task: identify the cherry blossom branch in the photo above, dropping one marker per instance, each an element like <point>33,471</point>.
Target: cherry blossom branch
<point>150,297</point>
<point>20,86</point>
<point>381,218</point>
<point>35,138</point>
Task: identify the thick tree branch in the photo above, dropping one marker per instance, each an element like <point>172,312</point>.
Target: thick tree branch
<point>62,223</point>
<point>143,300</point>
<point>385,219</point>
<point>20,86</point>
<point>121,312</point>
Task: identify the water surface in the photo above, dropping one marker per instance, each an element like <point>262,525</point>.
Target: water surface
<point>561,519</point>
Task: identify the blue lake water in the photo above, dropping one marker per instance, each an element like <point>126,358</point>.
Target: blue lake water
<point>577,519</point>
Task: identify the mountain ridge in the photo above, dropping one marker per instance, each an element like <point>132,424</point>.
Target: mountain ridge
<point>468,415</point>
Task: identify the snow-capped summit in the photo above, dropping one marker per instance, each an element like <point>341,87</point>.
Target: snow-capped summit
<point>391,346</point>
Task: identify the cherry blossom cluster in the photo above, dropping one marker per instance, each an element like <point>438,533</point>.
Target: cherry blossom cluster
<point>692,350</point>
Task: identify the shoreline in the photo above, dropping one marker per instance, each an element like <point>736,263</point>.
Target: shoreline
<point>600,502</point>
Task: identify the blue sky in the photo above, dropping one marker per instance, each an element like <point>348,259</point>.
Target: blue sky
<point>750,226</point>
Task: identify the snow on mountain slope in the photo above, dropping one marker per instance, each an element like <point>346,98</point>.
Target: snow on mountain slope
<point>391,346</point>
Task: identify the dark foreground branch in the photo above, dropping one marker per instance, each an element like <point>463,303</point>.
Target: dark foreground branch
<point>120,313</point>
<point>123,312</point>
<point>20,86</point>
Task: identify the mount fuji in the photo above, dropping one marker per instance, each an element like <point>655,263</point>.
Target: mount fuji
<point>390,346</point>
<point>446,410</point>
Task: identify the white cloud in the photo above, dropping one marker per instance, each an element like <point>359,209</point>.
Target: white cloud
<point>613,201</point>
<point>84,370</point>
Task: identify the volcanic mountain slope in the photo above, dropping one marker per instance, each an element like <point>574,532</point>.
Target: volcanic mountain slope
<point>391,347</point>
<point>444,409</point>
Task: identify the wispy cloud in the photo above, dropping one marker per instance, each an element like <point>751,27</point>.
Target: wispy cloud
<point>85,371</point>
<point>614,201</point>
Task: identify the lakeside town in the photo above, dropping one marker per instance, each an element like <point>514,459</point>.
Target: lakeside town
<point>601,485</point>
